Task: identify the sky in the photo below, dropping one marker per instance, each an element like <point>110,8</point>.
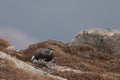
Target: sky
<point>25,22</point>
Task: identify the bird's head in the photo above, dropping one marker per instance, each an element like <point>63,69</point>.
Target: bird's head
<point>50,50</point>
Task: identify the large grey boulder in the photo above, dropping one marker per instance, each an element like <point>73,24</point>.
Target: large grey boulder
<point>104,40</point>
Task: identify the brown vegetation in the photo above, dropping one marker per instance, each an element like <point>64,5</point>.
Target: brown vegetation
<point>104,40</point>
<point>83,58</point>
<point>8,71</point>
<point>87,76</point>
<point>4,43</point>
<point>13,53</point>
<point>93,65</point>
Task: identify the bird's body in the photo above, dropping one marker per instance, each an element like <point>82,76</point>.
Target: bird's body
<point>42,56</point>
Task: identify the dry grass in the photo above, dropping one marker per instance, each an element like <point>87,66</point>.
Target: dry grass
<point>8,71</point>
<point>13,53</point>
<point>84,58</point>
<point>4,43</point>
<point>87,76</point>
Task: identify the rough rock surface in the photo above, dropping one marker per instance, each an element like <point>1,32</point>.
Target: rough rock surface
<point>70,62</point>
<point>78,62</point>
<point>104,40</point>
<point>19,65</point>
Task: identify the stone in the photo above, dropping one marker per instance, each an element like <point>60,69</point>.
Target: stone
<point>104,40</point>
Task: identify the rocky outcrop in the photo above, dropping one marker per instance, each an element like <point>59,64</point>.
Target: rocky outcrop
<point>81,62</point>
<point>104,40</point>
<point>23,70</point>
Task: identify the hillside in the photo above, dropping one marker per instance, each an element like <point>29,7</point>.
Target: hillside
<point>81,62</point>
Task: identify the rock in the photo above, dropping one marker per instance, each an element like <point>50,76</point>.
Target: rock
<point>27,68</point>
<point>104,40</point>
<point>11,47</point>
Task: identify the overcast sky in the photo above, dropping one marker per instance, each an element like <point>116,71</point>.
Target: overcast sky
<point>24,22</point>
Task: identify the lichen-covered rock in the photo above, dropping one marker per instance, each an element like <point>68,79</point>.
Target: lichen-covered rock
<point>104,40</point>
<point>70,63</point>
<point>19,70</point>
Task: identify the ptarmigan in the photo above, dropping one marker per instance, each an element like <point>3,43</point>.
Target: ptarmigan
<point>42,56</point>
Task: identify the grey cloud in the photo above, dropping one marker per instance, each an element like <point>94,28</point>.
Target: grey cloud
<point>58,19</point>
<point>17,38</point>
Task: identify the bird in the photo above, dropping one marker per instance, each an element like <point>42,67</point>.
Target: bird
<point>42,56</point>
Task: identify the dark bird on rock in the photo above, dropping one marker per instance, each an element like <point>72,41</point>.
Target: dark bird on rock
<point>42,56</point>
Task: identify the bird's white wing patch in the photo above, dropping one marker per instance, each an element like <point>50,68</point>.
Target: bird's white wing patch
<point>32,58</point>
